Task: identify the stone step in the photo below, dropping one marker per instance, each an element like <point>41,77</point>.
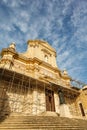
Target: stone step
<point>63,125</point>
<point>42,127</point>
<point>42,123</point>
<point>52,123</point>
<point>37,123</point>
<point>38,128</point>
<point>42,118</point>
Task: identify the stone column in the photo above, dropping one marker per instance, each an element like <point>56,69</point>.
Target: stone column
<point>36,70</point>
<point>42,102</point>
<point>35,98</point>
<point>56,98</point>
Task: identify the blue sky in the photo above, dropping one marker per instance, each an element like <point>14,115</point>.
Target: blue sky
<point>62,23</point>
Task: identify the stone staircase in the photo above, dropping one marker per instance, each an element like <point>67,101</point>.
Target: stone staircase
<point>42,123</point>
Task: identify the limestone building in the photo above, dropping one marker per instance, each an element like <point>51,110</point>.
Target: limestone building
<point>32,83</point>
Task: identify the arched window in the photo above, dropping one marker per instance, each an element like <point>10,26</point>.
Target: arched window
<point>82,109</point>
<point>46,58</point>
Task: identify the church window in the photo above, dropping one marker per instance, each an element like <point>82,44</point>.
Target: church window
<point>82,109</point>
<point>46,58</point>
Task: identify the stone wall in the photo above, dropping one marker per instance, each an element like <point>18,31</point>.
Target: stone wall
<point>16,98</point>
<point>83,100</point>
<point>39,104</point>
<point>74,110</point>
<point>28,102</point>
<point>4,101</point>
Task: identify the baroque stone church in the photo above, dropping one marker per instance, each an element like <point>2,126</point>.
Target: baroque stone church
<point>32,84</point>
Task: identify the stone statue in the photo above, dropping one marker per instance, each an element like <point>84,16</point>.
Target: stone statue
<point>12,46</point>
<point>61,97</point>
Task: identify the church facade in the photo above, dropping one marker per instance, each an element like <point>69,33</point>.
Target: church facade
<point>31,83</point>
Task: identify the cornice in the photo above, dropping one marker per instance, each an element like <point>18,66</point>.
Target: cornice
<point>41,42</point>
<point>18,56</point>
<point>8,50</point>
<point>46,51</point>
<point>65,77</point>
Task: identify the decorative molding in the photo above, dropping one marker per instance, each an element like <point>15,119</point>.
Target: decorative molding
<point>46,51</point>
<point>33,44</point>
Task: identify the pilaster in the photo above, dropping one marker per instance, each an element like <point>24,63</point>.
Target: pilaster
<point>56,99</point>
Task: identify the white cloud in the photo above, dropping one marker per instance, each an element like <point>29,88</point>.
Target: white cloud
<point>79,14</point>
<point>13,3</point>
<point>79,19</point>
<point>66,4</point>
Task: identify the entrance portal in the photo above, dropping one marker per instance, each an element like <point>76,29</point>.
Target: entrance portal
<point>50,106</point>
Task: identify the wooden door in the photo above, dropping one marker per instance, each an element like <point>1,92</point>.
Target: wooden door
<point>50,106</point>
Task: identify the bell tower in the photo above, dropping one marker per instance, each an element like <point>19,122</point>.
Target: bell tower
<point>41,50</point>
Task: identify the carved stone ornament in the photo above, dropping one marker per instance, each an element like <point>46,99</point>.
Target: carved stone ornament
<point>12,45</point>
<point>46,51</point>
<point>33,44</point>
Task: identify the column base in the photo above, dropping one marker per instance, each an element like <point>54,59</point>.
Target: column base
<point>64,111</point>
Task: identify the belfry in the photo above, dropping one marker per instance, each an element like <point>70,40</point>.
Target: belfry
<point>31,83</point>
